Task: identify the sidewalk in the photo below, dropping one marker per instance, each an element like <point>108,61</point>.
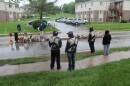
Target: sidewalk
<point>45,66</point>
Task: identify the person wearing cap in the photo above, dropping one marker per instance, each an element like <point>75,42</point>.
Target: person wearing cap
<point>55,44</point>
<point>106,42</point>
<point>70,50</point>
<point>91,39</point>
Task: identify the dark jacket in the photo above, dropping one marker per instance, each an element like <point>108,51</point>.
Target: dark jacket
<point>52,43</point>
<point>71,47</point>
<point>106,39</point>
<point>91,36</point>
<point>19,27</point>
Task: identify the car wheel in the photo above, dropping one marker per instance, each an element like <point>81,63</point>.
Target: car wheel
<point>85,23</point>
<point>76,23</point>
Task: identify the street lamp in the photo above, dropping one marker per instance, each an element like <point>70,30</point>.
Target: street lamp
<point>89,16</point>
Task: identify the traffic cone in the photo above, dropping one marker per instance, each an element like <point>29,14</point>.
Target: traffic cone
<point>11,41</point>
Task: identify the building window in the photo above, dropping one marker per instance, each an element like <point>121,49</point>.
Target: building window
<point>100,19</point>
<point>85,5</point>
<point>10,13</point>
<point>10,5</point>
<point>100,11</point>
<point>101,3</point>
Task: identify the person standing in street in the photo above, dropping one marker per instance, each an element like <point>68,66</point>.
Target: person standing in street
<point>106,42</point>
<point>70,50</point>
<point>16,37</point>
<point>55,43</point>
<point>91,39</point>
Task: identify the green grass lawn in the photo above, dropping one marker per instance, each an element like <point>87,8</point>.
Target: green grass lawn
<point>110,74</point>
<point>61,15</point>
<point>110,25</point>
<point>9,27</point>
<point>51,16</point>
<point>28,19</point>
<point>79,56</point>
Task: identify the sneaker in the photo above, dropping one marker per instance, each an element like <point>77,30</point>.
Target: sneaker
<point>68,69</point>
<point>59,68</point>
<point>52,68</point>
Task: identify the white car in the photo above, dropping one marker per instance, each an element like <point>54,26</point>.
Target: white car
<point>79,21</point>
<point>69,20</point>
<point>48,23</point>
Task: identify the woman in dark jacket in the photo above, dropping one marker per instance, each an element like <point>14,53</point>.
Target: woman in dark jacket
<point>106,42</point>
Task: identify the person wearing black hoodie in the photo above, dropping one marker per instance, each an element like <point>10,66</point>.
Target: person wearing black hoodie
<point>106,42</point>
<point>91,39</point>
<point>55,43</point>
<point>70,50</point>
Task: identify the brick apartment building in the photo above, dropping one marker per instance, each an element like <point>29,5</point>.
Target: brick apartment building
<point>9,12</point>
<point>103,10</point>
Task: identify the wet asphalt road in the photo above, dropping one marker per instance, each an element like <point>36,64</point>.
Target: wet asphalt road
<point>41,48</point>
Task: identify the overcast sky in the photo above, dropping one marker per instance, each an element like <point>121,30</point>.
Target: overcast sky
<point>61,2</point>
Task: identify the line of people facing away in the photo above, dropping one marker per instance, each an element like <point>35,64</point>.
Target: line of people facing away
<point>55,44</point>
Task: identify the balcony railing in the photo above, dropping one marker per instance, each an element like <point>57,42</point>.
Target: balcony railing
<point>115,7</point>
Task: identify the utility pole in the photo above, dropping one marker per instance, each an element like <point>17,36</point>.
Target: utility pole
<point>89,16</point>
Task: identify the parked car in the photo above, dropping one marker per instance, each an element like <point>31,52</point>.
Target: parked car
<point>63,19</point>
<point>69,20</point>
<point>77,21</point>
<point>29,24</point>
<point>49,23</point>
<point>58,19</point>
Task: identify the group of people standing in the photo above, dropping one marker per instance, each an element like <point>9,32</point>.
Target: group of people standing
<point>55,44</point>
<point>106,41</point>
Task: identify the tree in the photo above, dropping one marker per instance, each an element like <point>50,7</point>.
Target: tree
<point>76,1</point>
<point>65,8</point>
<point>69,8</point>
<point>28,10</point>
<point>42,7</point>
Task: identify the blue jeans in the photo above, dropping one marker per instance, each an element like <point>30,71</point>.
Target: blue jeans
<point>71,60</point>
<point>106,49</point>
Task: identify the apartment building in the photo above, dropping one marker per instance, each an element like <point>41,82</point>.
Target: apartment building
<point>9,12</point>
<point>103,10</point>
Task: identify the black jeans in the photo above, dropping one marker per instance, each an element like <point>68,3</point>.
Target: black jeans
<point>91,45</point>
<point>55,55</point>
<point>71,60</point>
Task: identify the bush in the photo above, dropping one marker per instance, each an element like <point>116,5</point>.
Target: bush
<point>37,23</point>
<point>124,21</point>
<point>23,16</point>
